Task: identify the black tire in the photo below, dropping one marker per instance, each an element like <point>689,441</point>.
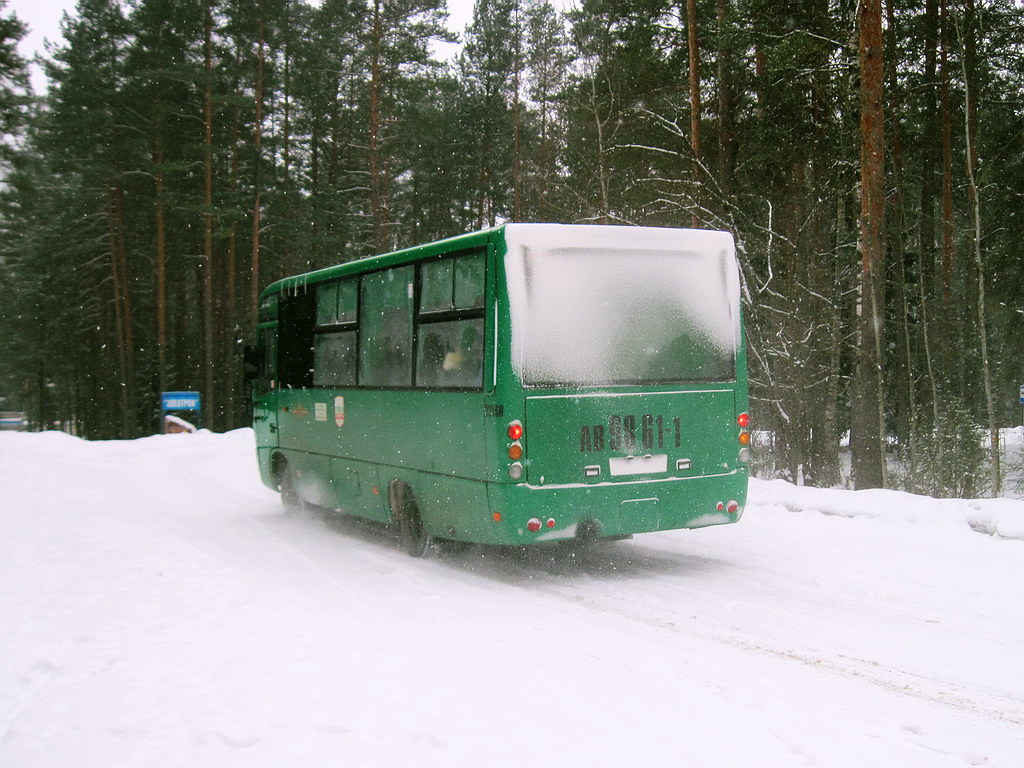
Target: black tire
<point>413,535</point>
<point>289,495</point>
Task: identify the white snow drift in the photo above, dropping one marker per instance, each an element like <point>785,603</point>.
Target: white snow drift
<point>157,608</point>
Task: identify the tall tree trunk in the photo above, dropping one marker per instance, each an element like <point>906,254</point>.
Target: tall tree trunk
<point>970,75</point>
<point>694,53</point>
<point>376,208</point>
<point>257,182</point>
<point>948,364</point>
<point>903,382</point>
<point>869,424</point>
<point>726,100</point>
<point>231,266</point>
<point>160,268</point>
<point>517,161</point>
<point>210,361</point>
<point>930,115</point>
<point>518,31</point>
<point>602,168</point>
<point>122,309</point>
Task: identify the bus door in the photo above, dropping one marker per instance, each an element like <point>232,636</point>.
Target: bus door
<point>265,388</point>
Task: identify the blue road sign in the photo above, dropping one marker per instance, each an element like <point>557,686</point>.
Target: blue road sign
<point>179,401</point>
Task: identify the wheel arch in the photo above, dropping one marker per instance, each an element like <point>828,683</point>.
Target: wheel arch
<point>278,466</point>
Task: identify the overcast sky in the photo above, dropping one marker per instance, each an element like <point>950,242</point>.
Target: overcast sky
<point>43,18</point>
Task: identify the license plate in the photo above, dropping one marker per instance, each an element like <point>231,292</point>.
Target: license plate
<point>638,465</point>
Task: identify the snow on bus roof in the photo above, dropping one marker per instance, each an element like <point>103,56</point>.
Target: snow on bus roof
<point>553,271</point>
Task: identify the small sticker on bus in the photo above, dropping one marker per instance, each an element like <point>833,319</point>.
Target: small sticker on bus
<point>320,411</point>
<point>339,411</point>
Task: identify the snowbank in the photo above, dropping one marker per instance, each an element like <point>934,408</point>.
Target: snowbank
<point>997,517</point>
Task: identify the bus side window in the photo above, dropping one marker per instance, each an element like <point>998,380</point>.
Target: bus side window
<point>451,354</point>
<point>334,359</point>
<point>469,281</point>
<point>436,291</point>
<point>334,347</point>
<point>450,330</point>
<point>327,304</point>
<point>385,328</point>
<point>297,312</point>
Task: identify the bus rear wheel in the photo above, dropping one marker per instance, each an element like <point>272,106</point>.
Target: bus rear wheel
<point>413,535</point>
<point>289,495</point>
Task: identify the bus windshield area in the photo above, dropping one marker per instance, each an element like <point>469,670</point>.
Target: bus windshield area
<point>610,314</point>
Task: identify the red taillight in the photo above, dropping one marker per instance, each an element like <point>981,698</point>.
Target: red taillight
<point>533,524</point>
<point>551,522</point>
<point>732,507</point>
<point>743,420</point>
<point>515,430</point>
<point>720,506</point>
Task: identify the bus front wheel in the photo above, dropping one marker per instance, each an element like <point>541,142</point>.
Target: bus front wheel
<point>414,538</point>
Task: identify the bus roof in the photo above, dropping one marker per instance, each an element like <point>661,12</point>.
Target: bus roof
<point>385,260</point>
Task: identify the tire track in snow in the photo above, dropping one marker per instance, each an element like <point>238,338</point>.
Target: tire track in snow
<point>632,606</point>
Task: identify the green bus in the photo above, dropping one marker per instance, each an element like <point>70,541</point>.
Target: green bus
<point>527,383</point>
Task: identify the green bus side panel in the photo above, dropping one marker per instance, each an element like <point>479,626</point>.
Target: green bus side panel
<point>450,507</point>
<point>313,479</point>
<point>356,490</point>
<point>348,445</point>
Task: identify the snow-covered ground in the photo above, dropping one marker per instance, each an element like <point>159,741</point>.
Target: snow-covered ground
<point>157,608</point>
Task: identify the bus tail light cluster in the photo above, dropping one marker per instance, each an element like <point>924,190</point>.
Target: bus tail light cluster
<point>744,436</point>
<point>732,506</point>
<point>515,449</point>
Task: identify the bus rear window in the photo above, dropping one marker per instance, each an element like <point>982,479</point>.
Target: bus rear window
<point>623,314</point>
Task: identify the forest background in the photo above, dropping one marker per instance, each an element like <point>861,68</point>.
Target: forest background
<point>868,158</point>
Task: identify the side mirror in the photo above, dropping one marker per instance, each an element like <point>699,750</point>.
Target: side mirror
<point>250,362</point>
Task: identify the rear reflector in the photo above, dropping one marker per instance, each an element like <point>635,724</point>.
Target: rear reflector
<point>732,507</point>
<point>533,524</point>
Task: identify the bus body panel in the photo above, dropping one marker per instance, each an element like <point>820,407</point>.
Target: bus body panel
<point>617,437</point>
<point>620,509</point>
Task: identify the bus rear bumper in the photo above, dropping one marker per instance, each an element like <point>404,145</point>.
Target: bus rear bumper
<point>613,509</point>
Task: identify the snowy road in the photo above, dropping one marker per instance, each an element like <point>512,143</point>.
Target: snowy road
<point>158,609</point>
